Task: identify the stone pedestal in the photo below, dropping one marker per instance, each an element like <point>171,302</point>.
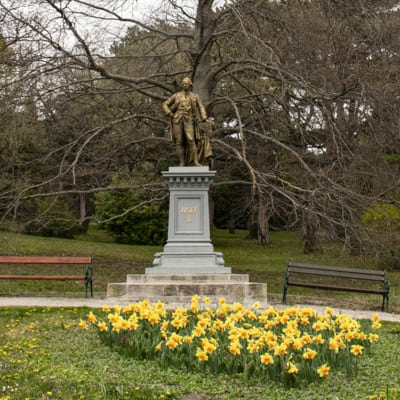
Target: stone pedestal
<point>188,249</point>
<point>188,265</point>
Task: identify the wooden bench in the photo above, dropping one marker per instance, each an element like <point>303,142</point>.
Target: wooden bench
<point>47,260</point>
<point>344,279</point>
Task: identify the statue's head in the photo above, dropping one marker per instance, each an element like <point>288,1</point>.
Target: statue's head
<point>186,83</point>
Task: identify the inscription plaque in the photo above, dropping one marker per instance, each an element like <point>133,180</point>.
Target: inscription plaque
<point>188,216</point>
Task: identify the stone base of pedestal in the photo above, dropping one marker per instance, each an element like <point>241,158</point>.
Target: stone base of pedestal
<point>179,263</point>
<point>179,289</point>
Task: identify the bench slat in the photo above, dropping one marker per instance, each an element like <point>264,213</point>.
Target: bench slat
<point>43,277</point>
<point>337,274</point>
<point>340,288</point>
<point>338,269</point>
<point>44,260</point>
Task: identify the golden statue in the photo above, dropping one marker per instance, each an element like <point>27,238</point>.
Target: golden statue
<point>192,140</point>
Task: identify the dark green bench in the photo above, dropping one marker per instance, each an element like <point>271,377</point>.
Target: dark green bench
<point>336,278</point>
<point>87,277</point>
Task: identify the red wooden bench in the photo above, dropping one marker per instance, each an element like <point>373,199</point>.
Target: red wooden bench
<point>87,277</point>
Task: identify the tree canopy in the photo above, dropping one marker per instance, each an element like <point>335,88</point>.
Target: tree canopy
<point>303,95</point>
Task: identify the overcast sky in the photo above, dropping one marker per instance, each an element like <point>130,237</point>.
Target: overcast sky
<point>141,7</point>
<point>136,9</point>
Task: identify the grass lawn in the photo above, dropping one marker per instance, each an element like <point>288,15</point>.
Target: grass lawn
<point>263,263</point>
<point>44,355</point>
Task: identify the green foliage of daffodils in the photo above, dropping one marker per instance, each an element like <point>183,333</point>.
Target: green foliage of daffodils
<point>293,346</point>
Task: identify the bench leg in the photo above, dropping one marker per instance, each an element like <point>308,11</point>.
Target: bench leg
<point>88,284</point>
<point>284,293</point>
<point>385,302</point>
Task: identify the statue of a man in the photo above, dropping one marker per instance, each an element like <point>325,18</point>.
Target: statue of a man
<point>183,108</point>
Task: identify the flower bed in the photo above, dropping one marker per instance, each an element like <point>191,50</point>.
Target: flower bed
<point>293,346</point>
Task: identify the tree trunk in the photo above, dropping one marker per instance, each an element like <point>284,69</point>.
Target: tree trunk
<point>310,232</point>
<point>259,224</point>
<point>263,216</point>
<point>83,220</point>
<point>355,244</point>
<point>203,38</point>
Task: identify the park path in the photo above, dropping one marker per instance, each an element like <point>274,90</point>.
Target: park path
<point>99,302</point>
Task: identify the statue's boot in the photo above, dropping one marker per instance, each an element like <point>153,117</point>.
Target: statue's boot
<point>193,154</point>
<point>180,151</point>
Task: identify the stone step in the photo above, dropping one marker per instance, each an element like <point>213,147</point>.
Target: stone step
<point>177,291</point>
<point>185,278</point>
<point>173,302</point>
<point>186,268</point>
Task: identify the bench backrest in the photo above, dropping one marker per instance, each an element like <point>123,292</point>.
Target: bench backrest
<point>45,260</point>
<point>340,272</point>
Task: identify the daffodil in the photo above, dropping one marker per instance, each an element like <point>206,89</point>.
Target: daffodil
<point>374,317</point>
<point>195,304</point>
<point>319,339</point>
<point>91,318</point>
<point>323,370</point>
<point>305,321</point>
<point>102,326</point>
<point>267,359</point>
<point>117,309</point>
<point>209,347</point>
<point>113,317</point>
<point>356,349</point>
<point>329,311</point>
<point>218,325</point>
<point>373,337</point>
<point>237,307</point>
<point>309,354</point>
<point>116,326</point>
<point>188,339</point>
<point>318,326</point>
<point>234,348</point>
<point>83,325</point>
<point>333,345</point>
<point>158,347</point>
<point>298,344</point>
<point>376,325</point>
<point>281,350</point>
<point>292,368</point>
<point>256,305</point>
<point>201,354</point>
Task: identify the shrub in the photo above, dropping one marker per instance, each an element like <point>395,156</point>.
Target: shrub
<point>131,219</point>
<point>382,217</point>
<point>49,217</point>
<point>382,223</point>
